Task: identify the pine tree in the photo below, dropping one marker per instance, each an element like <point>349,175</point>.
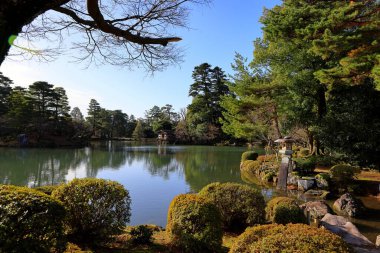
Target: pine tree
<point>93,112</point>
<point>138,133</point>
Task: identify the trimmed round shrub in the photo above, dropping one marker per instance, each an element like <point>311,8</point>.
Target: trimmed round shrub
<point>250,165</point>
<point>96,208</point>
<point>283,210</point>
<point>305,165</point>
<point>249,155</point>
<point>267,158</point>
<point>240,205</point>
<point>343,175</point>
<point>30,221</point>
<point>297,238</point>
<point>194,224</point>
<point>47,189</point>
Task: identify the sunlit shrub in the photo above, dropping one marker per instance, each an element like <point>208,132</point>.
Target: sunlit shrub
<point>30,221</point>
<point>47,189</point>
<point>267,158</point>
<point>250,165</point>
<point>283,210</point>
<point>240,205</point>
<point>249,155</point>
<point>288,238</point>
<point>194,224</point>
<point>96,208</point>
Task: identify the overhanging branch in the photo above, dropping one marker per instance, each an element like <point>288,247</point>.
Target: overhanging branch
<point>103,25</point>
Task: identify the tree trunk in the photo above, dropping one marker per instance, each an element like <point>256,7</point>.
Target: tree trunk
<point>275,122</point>
<point>15,14</point>
<point>322,110</point>
<point>310,139</point>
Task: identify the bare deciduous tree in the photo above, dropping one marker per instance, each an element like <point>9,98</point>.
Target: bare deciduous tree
<point>119,32</point>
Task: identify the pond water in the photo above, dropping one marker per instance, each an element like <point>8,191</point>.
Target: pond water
<point>152,174</point>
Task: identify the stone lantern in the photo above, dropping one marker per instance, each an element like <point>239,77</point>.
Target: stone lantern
<point>286,161</point>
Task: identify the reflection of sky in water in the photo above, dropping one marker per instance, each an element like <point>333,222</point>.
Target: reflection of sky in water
<point>150,194</point>
<point>78,172</point>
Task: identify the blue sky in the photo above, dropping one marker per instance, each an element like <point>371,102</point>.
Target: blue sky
<point>217,32</point>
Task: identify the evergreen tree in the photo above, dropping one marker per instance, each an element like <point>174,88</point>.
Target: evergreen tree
<point>77,115</point>
<point>60,103</point>
<point>42,96</point>
<point>138,133</point>
<point>5,90</point>
<point>93,113</point>
<point>20,108</point>
<point>205,110</point>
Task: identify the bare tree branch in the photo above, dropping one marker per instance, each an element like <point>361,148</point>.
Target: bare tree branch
<point>117,32</point>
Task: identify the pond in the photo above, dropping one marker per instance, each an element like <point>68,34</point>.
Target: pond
<point>152,174</point>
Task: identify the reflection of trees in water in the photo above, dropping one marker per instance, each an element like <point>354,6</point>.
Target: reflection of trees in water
<point>199,165</point>
<point>37,167</point>
<point>204,165</point>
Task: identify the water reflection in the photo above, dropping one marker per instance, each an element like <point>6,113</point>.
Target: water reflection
<point>152,174</point>
<point>198,166</point>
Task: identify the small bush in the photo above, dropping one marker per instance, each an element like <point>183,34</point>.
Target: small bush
<point>305,165</point>
<point>343,175</point>
<point>250,165</point>
<point>267,158</point>
<point>283,210</point>
<point>96,208</point>
<point>30,221</point>
<point>47,189</point>
<point>141,234</point>
<point>289,238</point>
<point>194,224</point>
<point>240,205</point>
<point>249,155</point>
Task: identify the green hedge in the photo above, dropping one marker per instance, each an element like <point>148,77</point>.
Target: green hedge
<point>283,210</point>
<point>96,208</point>
<point>47,189</point>
<point>289,238</point>
<point>30,221</point>
<point>240,205</point>
<point>249,155</point>
<point>194,224</point>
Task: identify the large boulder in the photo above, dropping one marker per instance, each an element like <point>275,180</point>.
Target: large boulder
<point>316,209</point>
<point>341,226</point>
<point>348,205</point>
